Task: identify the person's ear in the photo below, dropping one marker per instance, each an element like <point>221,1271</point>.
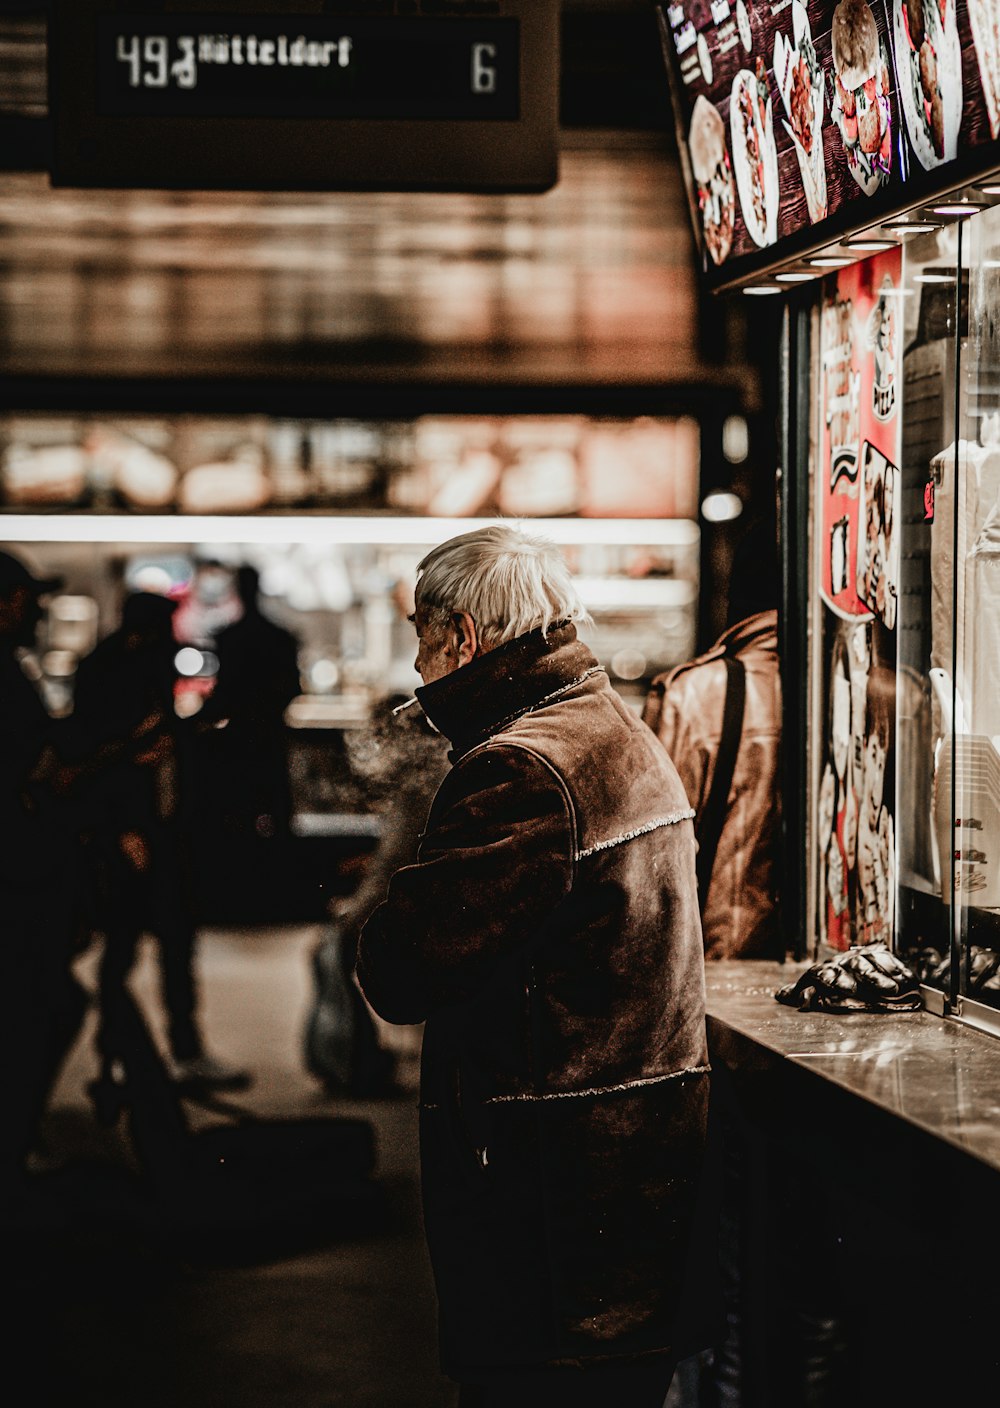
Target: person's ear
<point>465,637</point>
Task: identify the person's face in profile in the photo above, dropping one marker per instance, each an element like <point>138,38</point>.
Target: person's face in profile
<point>435,657</point>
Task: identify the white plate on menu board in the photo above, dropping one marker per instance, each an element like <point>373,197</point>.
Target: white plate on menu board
<point>755,158</point>
<point>930,77</point>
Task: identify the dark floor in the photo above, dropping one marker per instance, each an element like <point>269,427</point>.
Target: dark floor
<point>115,1308</point>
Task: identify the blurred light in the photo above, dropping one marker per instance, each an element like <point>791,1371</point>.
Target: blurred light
<point>189,661</point>
<point>210,664</point>
<point>735,439</point>
<point>829,262</point>
<point>628,664</point>
<point>719,507</point>
<point>931,278</point>
<point>763,288</point>
<point>73,608</point>
<point>59,664</point>
<point>152,579</point>
<point>323,675</point>
<point>794,278</point>
<point>991,190</point>
<point>870,244</point>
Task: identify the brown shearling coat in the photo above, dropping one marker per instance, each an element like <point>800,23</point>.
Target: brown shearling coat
<point>549,936</point>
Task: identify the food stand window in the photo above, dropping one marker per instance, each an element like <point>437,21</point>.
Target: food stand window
<point>968,792</point>
<point>861,182</point>
<point>905,550</point>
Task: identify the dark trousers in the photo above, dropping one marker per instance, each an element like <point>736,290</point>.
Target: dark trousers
<point>153,901</point>
<point>42,1008</point>
<point>642,1384</point>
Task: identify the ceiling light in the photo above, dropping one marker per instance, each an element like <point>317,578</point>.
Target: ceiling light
<point>763,288</point>
<point>829,262</point>
<point>993,189</point>
<point>870,244</point>
<point>915,227</point>
<point>793,278</point>
<point>959,207</point>
<point>932,278</point>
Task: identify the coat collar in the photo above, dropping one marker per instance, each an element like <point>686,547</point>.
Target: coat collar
<point>482,697</point>
<point>740,635</point>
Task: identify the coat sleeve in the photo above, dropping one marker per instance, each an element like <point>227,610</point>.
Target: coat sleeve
<point>496,858</point>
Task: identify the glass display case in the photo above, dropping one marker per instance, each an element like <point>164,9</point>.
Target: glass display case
<point>904,765</point>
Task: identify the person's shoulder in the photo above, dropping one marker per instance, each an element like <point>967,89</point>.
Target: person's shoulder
<point>755,635</point>
<point>678,675</point>
<point>512,758</point>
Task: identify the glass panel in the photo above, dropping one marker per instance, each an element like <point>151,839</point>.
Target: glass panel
<point>856,557</point>
<point>932,476</point>
<point>976,761</point>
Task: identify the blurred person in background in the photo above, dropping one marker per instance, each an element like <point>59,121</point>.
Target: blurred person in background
<point>40,882</point>
<point>258,678</point>
<point>126,730</point>
<point>548,936</point>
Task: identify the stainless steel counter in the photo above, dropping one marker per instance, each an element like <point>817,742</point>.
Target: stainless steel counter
<point>931,1072</point>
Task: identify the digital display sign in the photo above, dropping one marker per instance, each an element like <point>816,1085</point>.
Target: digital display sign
<point>803,121</point>
<point>394,95</point>
<point>205,65</point>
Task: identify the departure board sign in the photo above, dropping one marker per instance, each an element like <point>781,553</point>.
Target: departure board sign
<point>804,121</point>
<point>389,94</point>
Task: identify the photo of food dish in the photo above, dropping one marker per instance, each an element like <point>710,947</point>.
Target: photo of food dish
<point>713,175</point>
<point>755,156</point>
<point>929,66</point>
<point>799,78</point>
<point>861,82</point>
<point>984,18</point>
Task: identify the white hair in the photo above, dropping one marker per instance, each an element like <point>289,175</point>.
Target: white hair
<point>509,582</point>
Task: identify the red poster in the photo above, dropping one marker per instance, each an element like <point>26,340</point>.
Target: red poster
<point>858,478</point>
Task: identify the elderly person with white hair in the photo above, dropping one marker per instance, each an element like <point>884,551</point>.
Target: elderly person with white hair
<point>549,936</point>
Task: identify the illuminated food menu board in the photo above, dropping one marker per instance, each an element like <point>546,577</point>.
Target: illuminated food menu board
<point>299,94</point>
<point>801,122</point>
